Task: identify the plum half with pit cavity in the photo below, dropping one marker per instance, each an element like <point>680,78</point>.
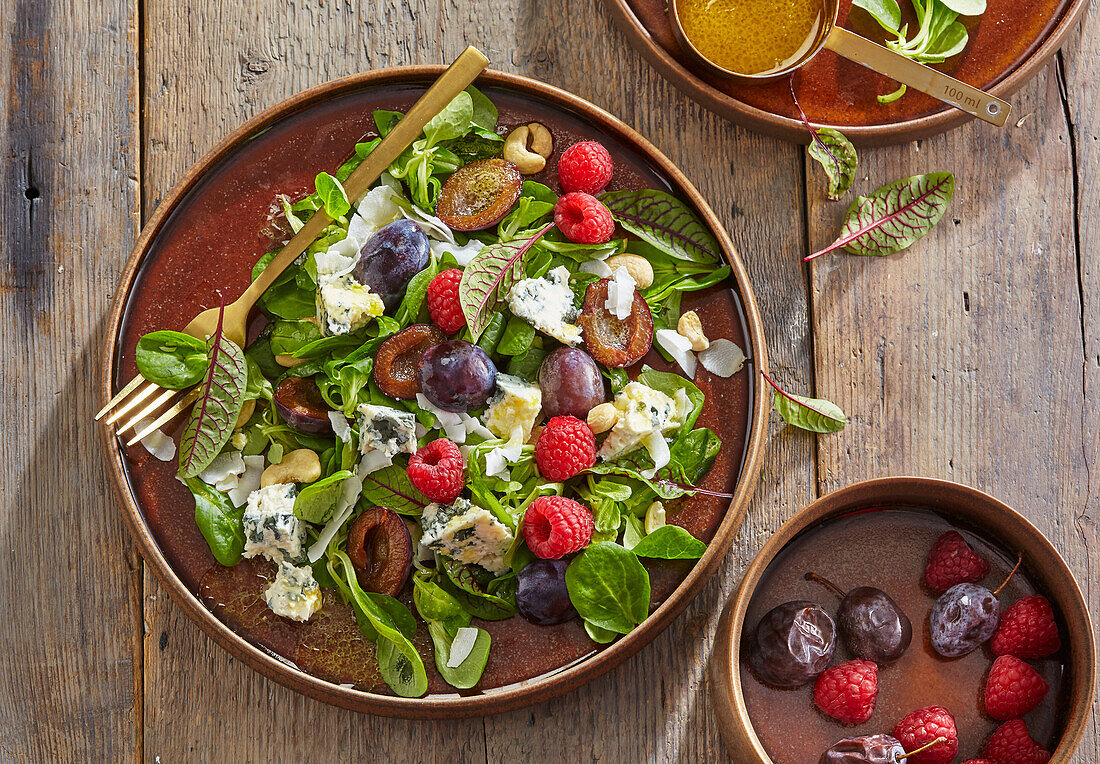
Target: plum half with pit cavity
<point>301,406</point>
<point>479,194</point>
<point>399,356</point>
<point>610,340</point>
<point>381,551</point>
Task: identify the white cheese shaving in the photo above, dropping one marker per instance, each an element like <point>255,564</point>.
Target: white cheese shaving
<point>475,427</point>
<point>157,443</point>
<point>450,422</point>
<point>373,461</point>
<point>376,209</point>
<point>658,449</point>
<point>620,294</point>
<point>496,461</point>
<point>420,430</point>
<point>224,471</point>
<point>248,482</point>
<point>336,261</point>
<point>463,253</point>
<point>723,358</point>
<point>597,267</point>
<point>345,505</point>
<point>432,226</point>
<point>340,425</point>
<point>462,646</point>
<point>679,347</point>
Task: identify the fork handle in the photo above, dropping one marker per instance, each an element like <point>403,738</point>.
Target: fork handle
<point>459,76</point>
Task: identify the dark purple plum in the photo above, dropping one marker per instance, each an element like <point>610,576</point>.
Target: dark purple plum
<point>963,619</point>
<point>393,255</point>
<point>865,749</point>
<point>301,406</point>
<point>872,625</point>
<point>792,644</point>
<point>456,376</point>
<point>571,384</point>
<point>541,595</point>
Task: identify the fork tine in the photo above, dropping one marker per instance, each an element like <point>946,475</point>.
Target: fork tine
<point>130,387</point>
<point>149,410</point>
<point>186,401</point>
<point>134,400</point>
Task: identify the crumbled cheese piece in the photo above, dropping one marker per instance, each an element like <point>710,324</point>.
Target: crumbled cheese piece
<point>248,482</point>
<point>344,305</point>
<point>620,294</point>
<point>239,440</point>
<point>466,533</point>
<point>294,593</point>
<point>270,527</point>
<point>386,430</point>
<point>157,443</point>
<point>517,403</point>
<point>679,347</point>
<point>723,358</point>
<point>547,304</point>
<point>376,209</point>
<point>642,410</point>
<point>224,471</point>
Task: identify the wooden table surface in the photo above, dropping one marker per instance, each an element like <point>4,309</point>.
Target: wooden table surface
<point>974,356</point>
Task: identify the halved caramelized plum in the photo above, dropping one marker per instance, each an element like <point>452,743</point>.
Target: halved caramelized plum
<point>610,340</point>
<point>397,359</point>
<point>381,550</point>
<point>301,406</point>
<point>479,194</point>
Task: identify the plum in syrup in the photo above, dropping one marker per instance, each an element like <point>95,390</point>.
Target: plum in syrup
<point>792,644</point>
<point>873,626</point>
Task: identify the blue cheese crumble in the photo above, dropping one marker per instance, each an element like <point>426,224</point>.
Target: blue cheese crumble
<point>547,304</point>
<point>642,411</point>
<point>344,305</point>
<point>386,430</point>
<point>294,593</point>
<point>270,527</point>
<point>517,403</point>
<point>466,533</point>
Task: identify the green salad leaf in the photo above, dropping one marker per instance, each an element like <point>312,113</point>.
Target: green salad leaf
<point>219,522</point>
<point>173,360</point>
<point>609,587</point>
<point>333,195</point>
<point>390,487</point>
<point>315,502</point>
<point>670,542</point>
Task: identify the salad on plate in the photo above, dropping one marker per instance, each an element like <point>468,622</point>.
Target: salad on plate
<point>446,418</point>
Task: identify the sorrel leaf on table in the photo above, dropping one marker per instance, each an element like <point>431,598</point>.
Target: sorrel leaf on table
<point>670,542</point>
<point>390,487</point>
<point>333,195</point>
<point>221,395</point>
<point>219,521</point>
<point>813,414</point>
<point>831,149</point>
<point>488,277</point>
<point>895,216</point>
<point>171,359</point>
<point>609,587</point>
<point>663,221</point>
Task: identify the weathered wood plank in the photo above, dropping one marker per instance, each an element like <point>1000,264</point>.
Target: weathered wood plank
<point>962,357</point>
<point>68,215</point>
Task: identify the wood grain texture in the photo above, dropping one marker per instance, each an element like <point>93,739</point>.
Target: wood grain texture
<point>68,209</point>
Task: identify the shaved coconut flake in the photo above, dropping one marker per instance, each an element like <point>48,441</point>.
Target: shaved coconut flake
<point>679,347</point>
<point>597,267</point>
<point>340,425</point>
<point>474,427</point>
<point>349,494</point>
<point>462,646</point>
<point>373,461</point>
<point>463,253</point>
<point>620,294</point>
<point>336,261</point>
<point>434,227</point>
<point>683,404</point>
<point>658,449</point>
<point>450,422</point>
<point>496,465</point>
<point>420,430</point>
<point>248,482</point>
<point>224,471</point>
<point>376,209</point>
<point>157,443</point>
<point>723,358</point>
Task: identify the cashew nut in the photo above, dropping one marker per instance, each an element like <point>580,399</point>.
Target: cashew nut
<point>247,410</point>
<point>637,266</point>
<point>603,417</point>
<point>654,516</point>
<point>299,466</point>
<point>288,361</point>
<point>691,327</point>
<point>528,147</point>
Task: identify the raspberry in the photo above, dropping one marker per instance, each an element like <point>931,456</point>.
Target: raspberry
<point>848,692</point>
<point>554,526</point>
<point>1010,744</point>
<point>437,471</point>
<point>443,303</point>
<point>1013,688</point>
<point>566,446</point>
<point>1027,630</point>
<point>583,219</point>
<point>922,727</point>
<point>951,562</point>
<point>585,166</point>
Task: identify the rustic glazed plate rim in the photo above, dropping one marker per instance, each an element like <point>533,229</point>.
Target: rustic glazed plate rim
<point>496,700</point>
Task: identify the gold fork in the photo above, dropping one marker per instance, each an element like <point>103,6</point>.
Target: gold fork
<point>458,77</point>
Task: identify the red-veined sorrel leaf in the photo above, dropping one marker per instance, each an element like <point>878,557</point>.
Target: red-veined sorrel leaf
<point>813,414</point>
<point>895,216</point>
<point>663,221</point>
<point>832,150</point>
<point>489,276</point>
<point>391,488</point>
<point>210,423</point>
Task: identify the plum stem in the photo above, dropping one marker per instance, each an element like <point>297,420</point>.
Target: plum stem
<point>924,747</point>
<point>1019,559</point>
<point>827,584</point>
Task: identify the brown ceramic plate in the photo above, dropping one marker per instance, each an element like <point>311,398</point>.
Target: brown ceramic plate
<point>927,508</point>
<point>1008,44</point>
<point>205,237</point>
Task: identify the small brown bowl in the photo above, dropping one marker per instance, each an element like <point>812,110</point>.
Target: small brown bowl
<point>956,503</point>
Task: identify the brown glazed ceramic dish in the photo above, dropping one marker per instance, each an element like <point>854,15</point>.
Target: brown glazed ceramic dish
<point>1008,44</point>
<point>925,508</point>
<point>204,239</point>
